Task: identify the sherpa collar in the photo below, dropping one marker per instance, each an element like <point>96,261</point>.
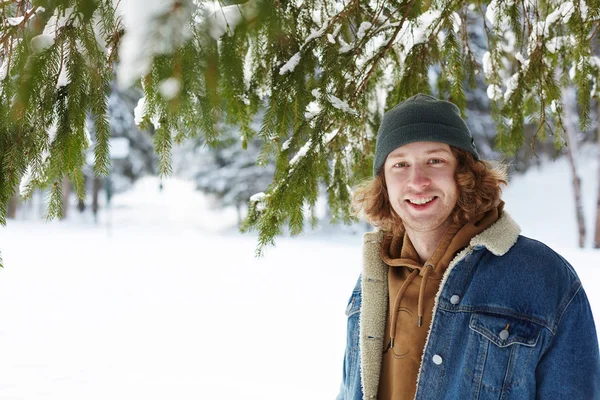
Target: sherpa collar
<point>498,239</point>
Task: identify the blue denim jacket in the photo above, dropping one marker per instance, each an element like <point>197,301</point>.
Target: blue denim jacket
<point>502,279</point>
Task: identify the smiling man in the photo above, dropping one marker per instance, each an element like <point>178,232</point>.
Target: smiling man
<point>453,303</point>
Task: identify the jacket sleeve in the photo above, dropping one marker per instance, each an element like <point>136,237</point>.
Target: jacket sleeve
<point>350,388</point>
<point>570,367</point>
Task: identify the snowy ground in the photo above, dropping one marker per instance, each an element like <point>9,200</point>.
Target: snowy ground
<point>159,301</point>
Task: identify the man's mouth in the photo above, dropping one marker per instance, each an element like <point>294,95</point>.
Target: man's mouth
<point>421,201</point>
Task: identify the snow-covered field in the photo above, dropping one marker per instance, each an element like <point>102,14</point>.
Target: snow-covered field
<point>160,301</point>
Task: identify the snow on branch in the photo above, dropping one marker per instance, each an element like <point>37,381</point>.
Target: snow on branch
<point>151,27</point>
<point>341,105</point>
<point>290,65</point>
<point>301,153</point>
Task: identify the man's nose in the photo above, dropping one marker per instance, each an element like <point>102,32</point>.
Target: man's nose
<point>418,177</point>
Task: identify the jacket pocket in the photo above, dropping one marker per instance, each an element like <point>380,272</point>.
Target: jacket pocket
<point>501,351</point>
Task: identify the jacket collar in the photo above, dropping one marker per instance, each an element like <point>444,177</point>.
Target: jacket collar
<point>498,239</point>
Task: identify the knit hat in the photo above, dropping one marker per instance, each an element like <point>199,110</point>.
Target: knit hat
<point>422,118</point>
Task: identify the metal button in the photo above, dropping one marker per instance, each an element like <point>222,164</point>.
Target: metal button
<point>455,299</point>
<point>504,334</point>
<point>437,359</point>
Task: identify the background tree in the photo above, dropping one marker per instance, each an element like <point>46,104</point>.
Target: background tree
<point>232,174</point>
<point>323,70</point>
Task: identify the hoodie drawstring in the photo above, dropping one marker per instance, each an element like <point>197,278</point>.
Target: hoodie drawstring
<point>395,310</point>
<point>428,269</point>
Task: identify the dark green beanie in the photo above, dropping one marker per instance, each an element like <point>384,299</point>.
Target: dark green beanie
<point>422,118</point>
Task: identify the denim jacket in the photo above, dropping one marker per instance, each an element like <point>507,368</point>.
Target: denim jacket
<point>510,321</point>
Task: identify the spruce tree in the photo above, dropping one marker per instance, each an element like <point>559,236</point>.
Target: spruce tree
<point>323,70</point>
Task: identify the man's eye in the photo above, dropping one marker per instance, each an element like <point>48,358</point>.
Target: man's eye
<point>435,161</point>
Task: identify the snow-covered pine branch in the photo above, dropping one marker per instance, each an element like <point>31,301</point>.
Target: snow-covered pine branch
<point>307,68</point>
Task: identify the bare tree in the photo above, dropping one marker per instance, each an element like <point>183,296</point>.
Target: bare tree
<point>570,126</point>
<point>597,234</point>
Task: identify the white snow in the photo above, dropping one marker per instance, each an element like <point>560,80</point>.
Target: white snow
<point>583,9</point>
<point>139,112</point>
<point>224,20</point>
<point>136,50</point>
<point>328,137</point>
<point>415,32</point>
<point>164,300</point>
<point>286,144</point>
<point>362,29</point>
<point>25,181</point>
<point>312,110</point>
<point>566,10</point>
<point>55,22</point>
<point>41,43</point>
<point>572,72</point>
<point>314,34</point>
<point>341,104</point>
<point>151,27</point>
<point>510,42</point>
<point>63,76</point>
<point>290,65</point>
<point>419,31</point>
<point>496,14</point>
<point>14,21</point>
<point>456,21</point>
<point>336,30</point>
<point>258,197</point>
<point>248,70</point>
<point>344,48</point>
<point>524,62</point>
<point>511,85</point>
<point>51,133</point>
<point>4,69</point>
<point>494,92</point>
<point>487,63</point>
<point>301,153</point>
<point>169,88</point>
<point>558,42</point>
<point>88,136</point>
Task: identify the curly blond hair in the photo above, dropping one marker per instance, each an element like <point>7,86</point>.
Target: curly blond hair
<point>479,185</point>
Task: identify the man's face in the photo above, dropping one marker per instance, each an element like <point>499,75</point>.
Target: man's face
<point>420,181</point>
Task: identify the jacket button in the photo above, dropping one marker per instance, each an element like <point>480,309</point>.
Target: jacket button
<point>504,334</point>
<point>437,359</point>
<point>455,299</point>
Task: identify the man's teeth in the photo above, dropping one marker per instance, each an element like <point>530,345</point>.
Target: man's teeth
<point>421,201</point>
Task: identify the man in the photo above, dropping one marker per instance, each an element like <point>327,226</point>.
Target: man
<point>452,302</point>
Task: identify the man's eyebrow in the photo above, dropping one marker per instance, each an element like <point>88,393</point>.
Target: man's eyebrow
<point>432,151</point>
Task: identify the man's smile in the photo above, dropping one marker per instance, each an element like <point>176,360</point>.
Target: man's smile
<point>422,200</point>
